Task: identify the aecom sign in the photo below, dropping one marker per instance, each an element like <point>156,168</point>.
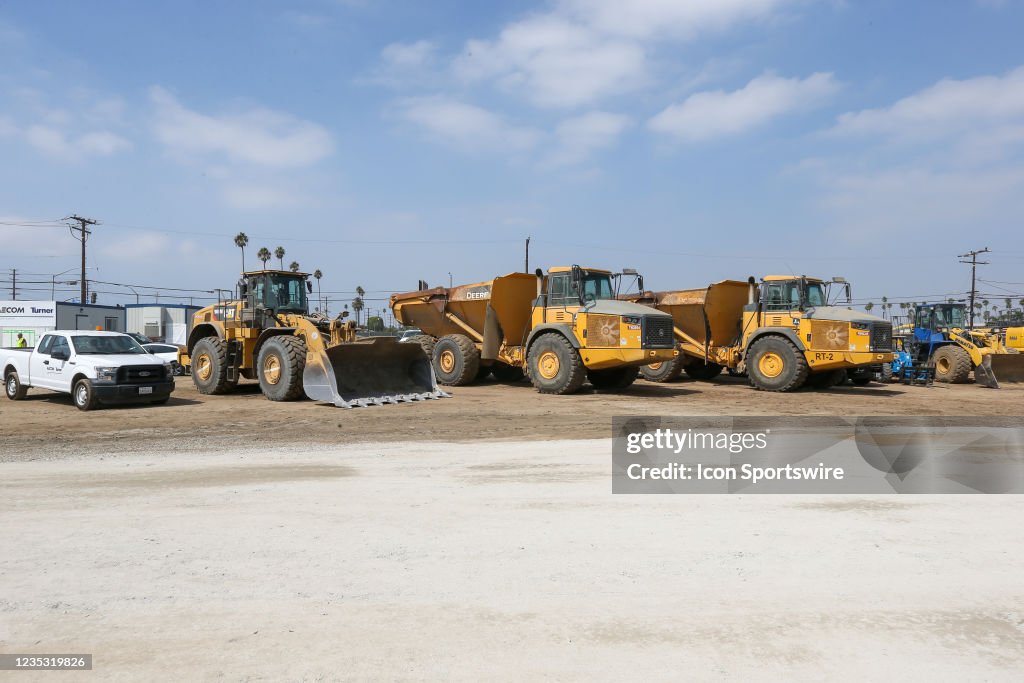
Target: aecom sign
<point>28,313</point>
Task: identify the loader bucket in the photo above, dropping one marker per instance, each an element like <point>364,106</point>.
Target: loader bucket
<point>372,371</point>
<point>1003,367</point>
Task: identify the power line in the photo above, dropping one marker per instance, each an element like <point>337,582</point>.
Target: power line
<point>83,235</point>
<point>974,262</point>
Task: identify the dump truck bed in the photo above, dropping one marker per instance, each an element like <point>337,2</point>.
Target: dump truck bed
<point>710,316</point>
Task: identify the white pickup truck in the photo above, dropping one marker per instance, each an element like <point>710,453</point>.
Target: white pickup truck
<point>94,367</point>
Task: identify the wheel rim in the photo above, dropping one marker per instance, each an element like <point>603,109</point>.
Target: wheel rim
<point>204,367</point>
<point>447,361</point>
<point>655,367</point>
<point>548,365</point>
<point>771,364</point>
<point>12,385</point>
<point>943,365</point>
<point>272,369</point>
<point>82,395</point>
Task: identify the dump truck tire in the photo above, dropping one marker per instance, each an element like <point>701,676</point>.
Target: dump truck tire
<point>210,366</point>
<point>279,366</point>
<point>698,369</point>
<point>613,379</point>
<point>555,367</point>
<point>665,371</point>
<point>886,373</point>
<point>775,364</point>
<point>483,373</point>
<point>456,360</point>
<point>952,365</point>
<point>826,379</point>
<point>426,343</point>
<point>503,372</point>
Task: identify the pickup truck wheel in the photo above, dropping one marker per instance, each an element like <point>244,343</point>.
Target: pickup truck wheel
<point>84,396</point>
<point>15,389</point>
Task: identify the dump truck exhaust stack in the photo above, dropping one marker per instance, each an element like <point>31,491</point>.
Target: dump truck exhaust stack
<point>373,371</point>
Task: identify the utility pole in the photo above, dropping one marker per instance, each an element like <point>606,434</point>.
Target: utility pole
<point>83,235</point>
<point>14,284</point>
<point>526,263</point>
<point>974,263</point>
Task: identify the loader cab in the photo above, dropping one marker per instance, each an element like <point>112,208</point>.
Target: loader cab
<point>932,322</point>
<point>788,293</point>
<point>275,291</point>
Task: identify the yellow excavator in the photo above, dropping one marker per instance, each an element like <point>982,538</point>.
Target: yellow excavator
<point>267,333</point>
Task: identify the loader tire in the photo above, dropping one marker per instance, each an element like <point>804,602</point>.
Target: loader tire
<point>210,366</point>
<point>826,379</point>
<point>698,369</point>
<point>775,364</point>
<point>952,364</point>
<point>426,343</point>
<point>555,367</point>
<point>456,360</point>
<point>886,373</point>
<point>279,367</point>
<point>665,371</point>
<point>613,379</point>
<point>505,373</point>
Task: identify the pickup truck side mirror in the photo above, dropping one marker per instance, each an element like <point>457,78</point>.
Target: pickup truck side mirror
<point>60,354</point>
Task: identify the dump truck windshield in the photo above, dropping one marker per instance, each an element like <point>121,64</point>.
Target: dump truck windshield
<point>784,295</point>
<point>597,286</point>
<point>287,294</point>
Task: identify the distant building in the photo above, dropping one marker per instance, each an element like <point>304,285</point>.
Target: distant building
<point>168,323</point>
<point>34,318</point>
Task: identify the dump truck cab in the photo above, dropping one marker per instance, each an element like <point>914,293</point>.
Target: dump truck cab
<point>267,333</point>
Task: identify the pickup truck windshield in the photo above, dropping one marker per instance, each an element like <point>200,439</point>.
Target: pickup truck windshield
<point>106,345</point>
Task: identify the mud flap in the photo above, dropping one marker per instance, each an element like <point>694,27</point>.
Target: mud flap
<point>1006,367</point>
<point>372,371</point>
<point>984,375</point>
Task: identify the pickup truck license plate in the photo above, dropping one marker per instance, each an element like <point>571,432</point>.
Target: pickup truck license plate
<point>145,390</point>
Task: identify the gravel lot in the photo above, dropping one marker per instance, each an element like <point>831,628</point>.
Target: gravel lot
<point>228,537</point>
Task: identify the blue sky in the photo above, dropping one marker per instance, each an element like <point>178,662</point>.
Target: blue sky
<point>384,142</point>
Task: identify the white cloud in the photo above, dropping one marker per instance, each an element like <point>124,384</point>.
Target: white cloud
<point>467,126</point>
<point>555,62</point>
<point>55,142</point>
<point>712,114</point>
<point>408,55</point>
<point>260,136</point>
<point>949,106</point>
<point>581,136</point>
<point>644,19</point>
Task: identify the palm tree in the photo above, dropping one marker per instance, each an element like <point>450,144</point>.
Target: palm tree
<point>357,305</point>
<point>885,305</point>
<point>279,255</point>
<point>242,241</point>
<point>868,306</point>
<point>317,274</point>
<point>294,265</point>
<point>263,255</point>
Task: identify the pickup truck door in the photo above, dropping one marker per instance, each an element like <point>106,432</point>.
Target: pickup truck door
<point>48,372</point>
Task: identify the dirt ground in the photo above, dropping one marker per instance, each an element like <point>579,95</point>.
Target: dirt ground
<point>231,538</point>
<point>46,425</point>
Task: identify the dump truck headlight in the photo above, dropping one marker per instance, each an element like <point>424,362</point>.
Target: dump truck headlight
<point>631,319</point>
<point>106,374</point>
<point>860,326</point>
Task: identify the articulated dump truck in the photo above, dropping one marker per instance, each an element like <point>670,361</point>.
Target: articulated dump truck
<point>268,334</point>
<point>782,334</point>
<point>561,329</point>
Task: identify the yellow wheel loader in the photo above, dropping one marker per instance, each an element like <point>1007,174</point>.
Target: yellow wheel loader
<point>782,334</point>
<point>560,329</point>
<point>268,334</point>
